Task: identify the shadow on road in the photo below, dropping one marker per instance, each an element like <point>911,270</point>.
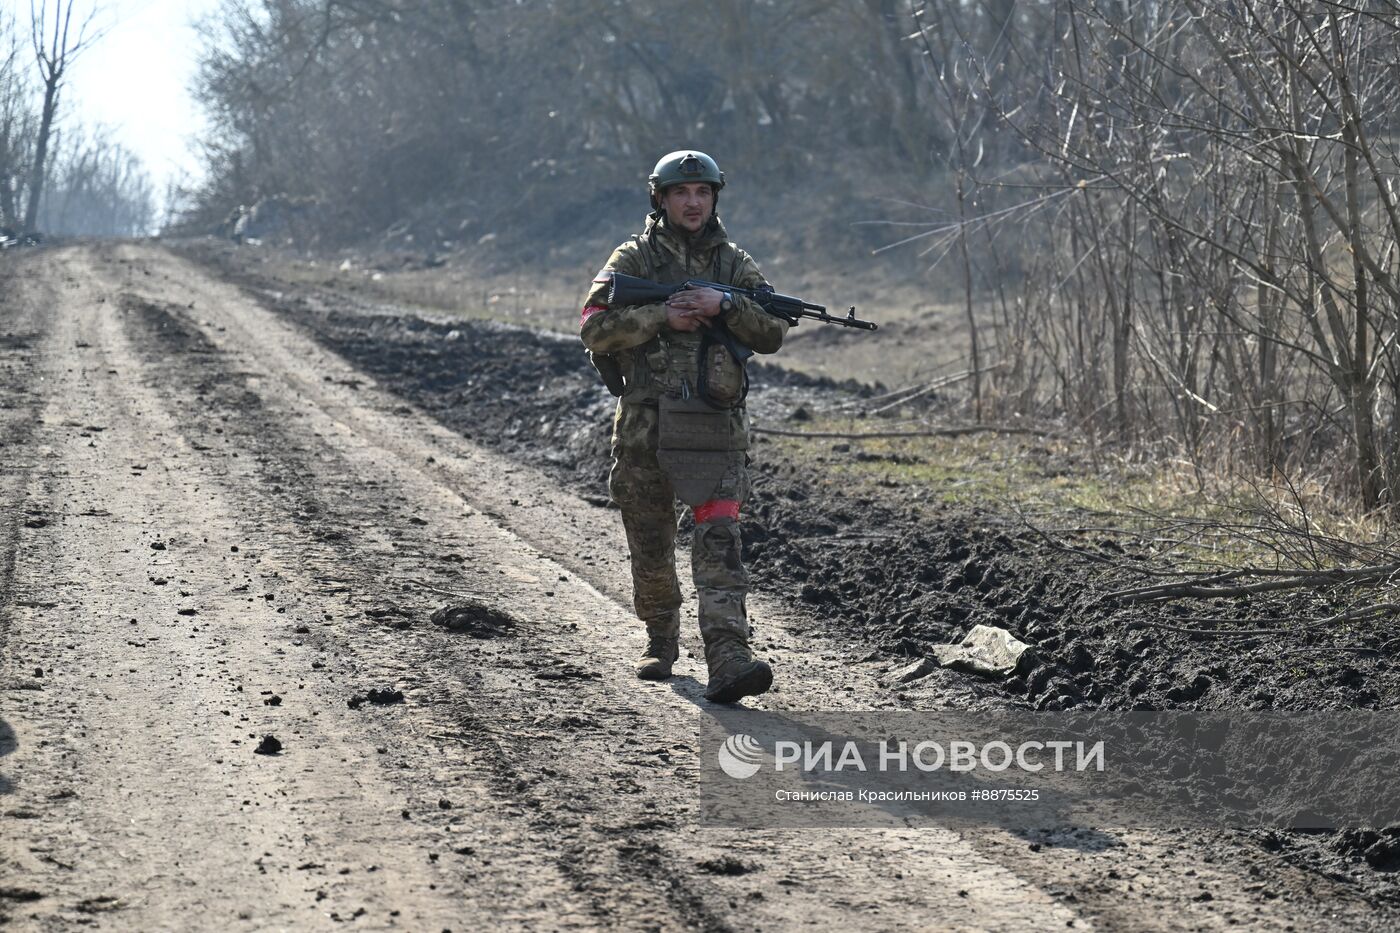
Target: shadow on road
<point>686,686</point>
<point>8,743</point>
<point>691,689</point>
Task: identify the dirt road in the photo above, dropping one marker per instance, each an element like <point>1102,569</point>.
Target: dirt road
<point>214,531</point>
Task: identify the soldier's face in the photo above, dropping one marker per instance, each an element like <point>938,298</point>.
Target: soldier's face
<point>689,205</point>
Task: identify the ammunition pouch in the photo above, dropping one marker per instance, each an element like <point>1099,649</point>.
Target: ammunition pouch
<point>695,446</point>
<point>723,371</point>
<point>606,365</point>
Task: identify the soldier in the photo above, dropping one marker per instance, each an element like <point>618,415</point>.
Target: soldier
<point>681,429</point>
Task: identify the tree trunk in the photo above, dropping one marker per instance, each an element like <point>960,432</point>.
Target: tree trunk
<point>967,293</point>
<point>1360,397</point>
<point>41,155</point>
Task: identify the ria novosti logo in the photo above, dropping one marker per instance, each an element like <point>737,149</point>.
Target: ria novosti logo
<point>740,756</point>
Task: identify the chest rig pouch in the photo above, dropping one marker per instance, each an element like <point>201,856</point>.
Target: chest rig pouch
<point>723,376</point>
<point>696,446</point>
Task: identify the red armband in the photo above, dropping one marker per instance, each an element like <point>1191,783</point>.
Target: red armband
<point>588,312</point>
<point>717,508</point>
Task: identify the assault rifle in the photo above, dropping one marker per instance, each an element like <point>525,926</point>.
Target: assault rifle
<point>625,290</point>
<point>630,290</point>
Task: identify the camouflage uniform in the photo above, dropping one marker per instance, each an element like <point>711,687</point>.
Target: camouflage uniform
<point>657,360</point>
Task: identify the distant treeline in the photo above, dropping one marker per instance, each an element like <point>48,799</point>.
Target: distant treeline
<point>382,113</point>
<point>89,184</point>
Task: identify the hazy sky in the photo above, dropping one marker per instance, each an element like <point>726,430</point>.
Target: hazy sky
<point>136,79</point>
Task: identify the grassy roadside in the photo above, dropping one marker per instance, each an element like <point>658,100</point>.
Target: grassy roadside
<point>1165,505</point>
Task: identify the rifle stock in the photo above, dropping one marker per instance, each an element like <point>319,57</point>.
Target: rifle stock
<point>627,290</point>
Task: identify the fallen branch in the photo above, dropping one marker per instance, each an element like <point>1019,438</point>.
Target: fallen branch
<point>1351,615</point>
<point>1078,552</point>
<point>1211,587</point>
<point>931,432</point>
<point>934,386</point>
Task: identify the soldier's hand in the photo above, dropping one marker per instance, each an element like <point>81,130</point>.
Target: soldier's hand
<point>701,302</point>
<point>678,319</point>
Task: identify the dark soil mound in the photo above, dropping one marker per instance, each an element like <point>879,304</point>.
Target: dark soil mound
<point>376,696</point>
<point>474,618</point>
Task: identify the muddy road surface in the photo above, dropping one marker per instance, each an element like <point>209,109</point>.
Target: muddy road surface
<point>224,704</point>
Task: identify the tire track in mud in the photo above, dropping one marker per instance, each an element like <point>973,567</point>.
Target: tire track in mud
<point>22,331</point>
<point>297,488</point>
<point>133,811</point>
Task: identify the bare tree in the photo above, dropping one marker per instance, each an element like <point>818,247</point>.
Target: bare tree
<point>56,44</point>
<point>16,121</point>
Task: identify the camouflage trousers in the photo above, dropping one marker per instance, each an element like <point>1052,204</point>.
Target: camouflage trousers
<point>647,500</point>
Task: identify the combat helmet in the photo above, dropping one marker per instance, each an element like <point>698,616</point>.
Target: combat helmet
<point>681,166</point>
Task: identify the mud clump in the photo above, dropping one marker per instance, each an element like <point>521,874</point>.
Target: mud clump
<point>474,618</point>
<point>395,616</point>
<point>1380,850</point>
<point>388,696</point>
<point>22,895</point>
<point>726,865</point>
<point>568,673</point>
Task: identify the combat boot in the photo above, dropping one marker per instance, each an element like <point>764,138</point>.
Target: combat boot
<point>663,648</point>
<point>734,671</point>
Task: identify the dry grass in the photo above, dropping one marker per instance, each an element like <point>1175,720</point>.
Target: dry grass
<point>1202,519</point>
